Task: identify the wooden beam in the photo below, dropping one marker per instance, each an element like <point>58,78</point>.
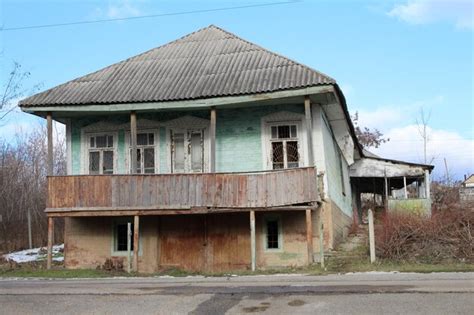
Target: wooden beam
<point>309,235</point>
<point>133,142</point>
<point>253,251</point>
<point>309,130</point>
<point>86,212</point>
<point>49,259</point>
<point>136,227</point>
<point>321,238</point>
<point>212,142</point>
<point>49,127</point>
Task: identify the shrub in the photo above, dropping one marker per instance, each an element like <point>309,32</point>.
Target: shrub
<point>444,237</point>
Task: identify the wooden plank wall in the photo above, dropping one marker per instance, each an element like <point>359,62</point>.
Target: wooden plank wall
<point>177,191</point>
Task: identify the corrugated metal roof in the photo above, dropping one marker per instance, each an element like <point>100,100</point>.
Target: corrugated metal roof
<point>208,63</point>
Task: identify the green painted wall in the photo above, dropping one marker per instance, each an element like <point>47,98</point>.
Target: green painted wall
<point>238,136</point>
<point>413,206</point>
<point>341,195</point>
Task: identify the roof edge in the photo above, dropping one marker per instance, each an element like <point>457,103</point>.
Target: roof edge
<point>182,104</point>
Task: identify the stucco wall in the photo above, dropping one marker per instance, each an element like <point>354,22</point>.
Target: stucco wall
<point>215,242</point>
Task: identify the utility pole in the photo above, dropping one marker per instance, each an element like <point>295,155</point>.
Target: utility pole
<point>447,171</point>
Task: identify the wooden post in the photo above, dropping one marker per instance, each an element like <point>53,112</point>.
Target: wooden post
<point>321,238</point>
<point>49,127</point>
<point>135,242</point>
<point>405,187</point>
<point>253,252</point>
<point>49,259</point>
<point>30,239</point>
<point>309,235</point>
<point>129,247</point>
<point>212,142</point>
<point>427,184</point>
<point>309,130</point>
<point>371,236</point>
<point>133,142</point>
<point>386,194</point>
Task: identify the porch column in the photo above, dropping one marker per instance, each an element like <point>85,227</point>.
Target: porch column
<point>136,223</point>
<point>49,259</point>
<point>309,130</point>
<point>386,194</point>
<point>309,235</point>
<point>405,192</point>
<point>49,126</point>
<point>133,142</point>
<point>427,184</point>
<point>253,252</point>
<point>212,142</point>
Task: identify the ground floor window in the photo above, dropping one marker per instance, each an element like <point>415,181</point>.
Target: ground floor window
<point>121,236</point>
<point>272,233</point>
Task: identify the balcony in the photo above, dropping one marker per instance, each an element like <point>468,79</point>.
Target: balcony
<point>165,194</point>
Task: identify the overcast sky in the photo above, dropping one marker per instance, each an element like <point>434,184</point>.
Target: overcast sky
<point>391,58</point>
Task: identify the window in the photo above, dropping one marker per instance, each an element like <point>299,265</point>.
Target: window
<point>284,146</point>
<point>145,153</point>
<point>101,154</point>
<point>187,150</point>
<point>272,233</point>
<point>120,237</point>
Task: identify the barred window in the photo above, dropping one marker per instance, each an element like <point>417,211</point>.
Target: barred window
<point>284,146</point>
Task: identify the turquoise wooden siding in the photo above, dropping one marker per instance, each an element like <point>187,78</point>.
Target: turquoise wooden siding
<point>121,152</point>
<point>163,151</point>
<point>341,195</point>
<point>76,148</point>
<point>238,137</point>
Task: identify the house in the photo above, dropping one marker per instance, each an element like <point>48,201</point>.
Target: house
<point>220,154</point>
<point>466,191</point>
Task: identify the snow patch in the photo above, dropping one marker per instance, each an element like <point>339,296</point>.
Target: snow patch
<point>35,254</point>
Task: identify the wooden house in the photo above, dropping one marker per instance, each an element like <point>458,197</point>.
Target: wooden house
<point>221,154</point>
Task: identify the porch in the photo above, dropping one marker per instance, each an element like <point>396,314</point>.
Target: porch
<point>202,196</point>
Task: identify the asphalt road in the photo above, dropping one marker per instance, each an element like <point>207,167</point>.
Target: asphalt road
<point>440,293</point>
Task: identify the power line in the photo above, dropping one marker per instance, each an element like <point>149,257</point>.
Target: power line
<point>147,16</point>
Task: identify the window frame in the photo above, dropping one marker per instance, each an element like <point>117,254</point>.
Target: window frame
<point>156,146</point>
<point>113,249</point>
<point>88,149</point>
<point>187,134</point>
<point>298,139</point>
<point>267,218</point>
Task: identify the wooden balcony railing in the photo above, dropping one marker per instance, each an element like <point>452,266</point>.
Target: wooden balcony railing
<point>269,189</point>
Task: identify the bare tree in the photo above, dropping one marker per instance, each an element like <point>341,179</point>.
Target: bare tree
<point>13,90</point>
<point>366,136</point>
<point>23,169</point>
<point>422,123</point>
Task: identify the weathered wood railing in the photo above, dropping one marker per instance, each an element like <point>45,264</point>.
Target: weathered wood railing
<point>183,191</point>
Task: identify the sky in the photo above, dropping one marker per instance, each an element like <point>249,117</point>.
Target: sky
<point>392,59</point>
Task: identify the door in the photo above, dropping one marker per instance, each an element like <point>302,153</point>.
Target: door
<point>187,151</point>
